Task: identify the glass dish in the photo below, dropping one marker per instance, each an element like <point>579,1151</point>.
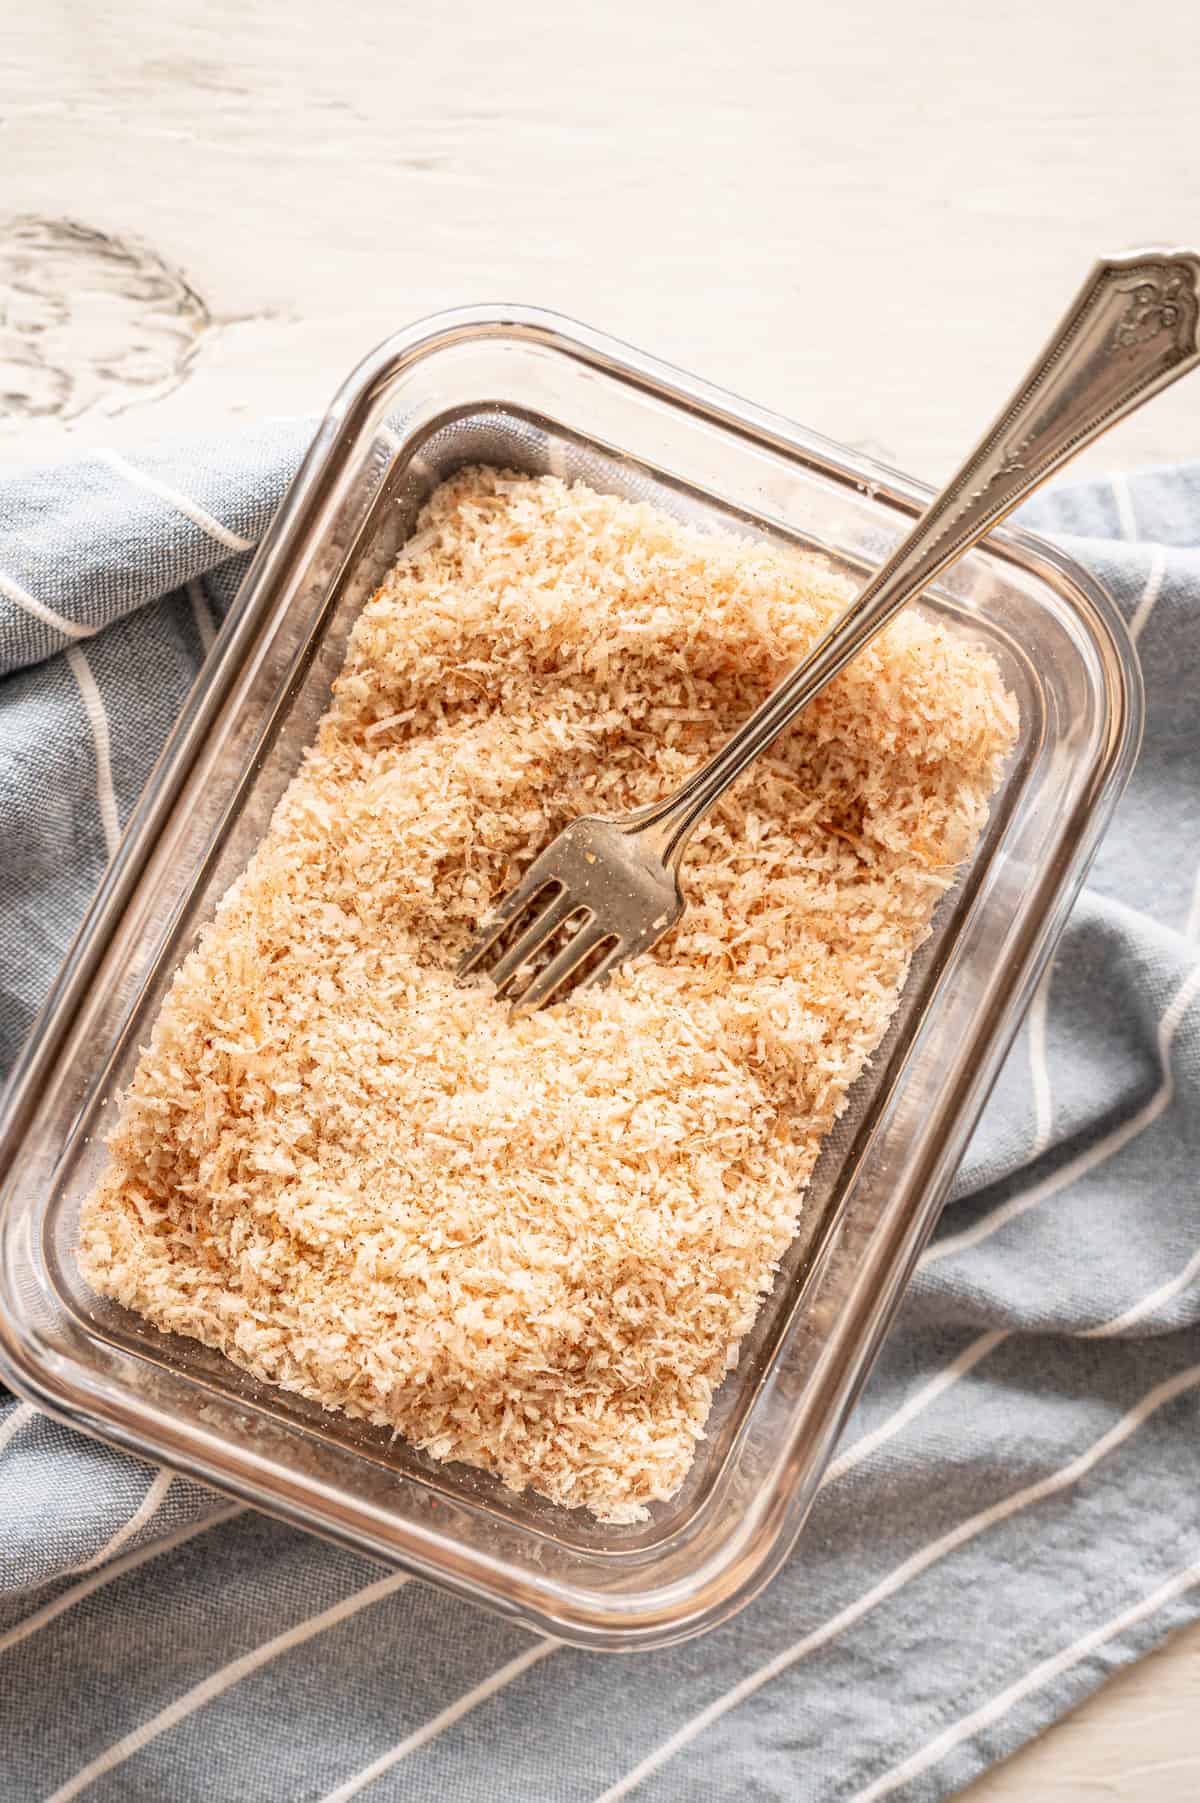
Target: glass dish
<point>526,389</point>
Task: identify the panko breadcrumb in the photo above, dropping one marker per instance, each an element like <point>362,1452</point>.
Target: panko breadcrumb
<point>534,1245</point>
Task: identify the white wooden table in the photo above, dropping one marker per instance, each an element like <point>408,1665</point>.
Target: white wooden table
<point>865,216</point>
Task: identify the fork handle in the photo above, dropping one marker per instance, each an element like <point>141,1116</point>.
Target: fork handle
<point>1133,329</point>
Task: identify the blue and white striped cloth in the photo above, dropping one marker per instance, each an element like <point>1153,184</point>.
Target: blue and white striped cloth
<point>1017,1508</point>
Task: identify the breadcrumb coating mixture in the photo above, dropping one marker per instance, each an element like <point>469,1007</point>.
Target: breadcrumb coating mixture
<point>535,1245</point>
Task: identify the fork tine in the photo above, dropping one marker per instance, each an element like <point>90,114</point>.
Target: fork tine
<point>604,969</point>
<point>543,924</point>
<point>559,968</point>
<point>530,886</point>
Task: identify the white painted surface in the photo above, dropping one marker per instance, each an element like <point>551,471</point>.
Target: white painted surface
<point>866,216</point>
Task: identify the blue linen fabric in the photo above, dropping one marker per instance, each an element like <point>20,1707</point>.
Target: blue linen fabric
<point>1015,1511</point>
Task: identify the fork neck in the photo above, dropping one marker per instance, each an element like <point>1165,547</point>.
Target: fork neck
<point>666,826</point>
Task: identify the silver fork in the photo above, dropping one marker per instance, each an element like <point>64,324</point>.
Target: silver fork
<point>611,886</point>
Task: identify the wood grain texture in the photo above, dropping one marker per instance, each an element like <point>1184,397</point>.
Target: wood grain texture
<point>864,216</point>
<point>89,323</point>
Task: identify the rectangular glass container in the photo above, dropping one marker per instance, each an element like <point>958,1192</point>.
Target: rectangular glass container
<point>528,390</point>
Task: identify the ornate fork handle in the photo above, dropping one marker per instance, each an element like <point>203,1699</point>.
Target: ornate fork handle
<point>1133,328</point>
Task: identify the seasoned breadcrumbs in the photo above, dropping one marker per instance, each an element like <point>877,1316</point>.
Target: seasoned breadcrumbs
<point>535,1245</point>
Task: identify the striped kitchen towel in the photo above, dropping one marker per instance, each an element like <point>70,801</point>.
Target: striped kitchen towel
<point>1016,1509</point>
